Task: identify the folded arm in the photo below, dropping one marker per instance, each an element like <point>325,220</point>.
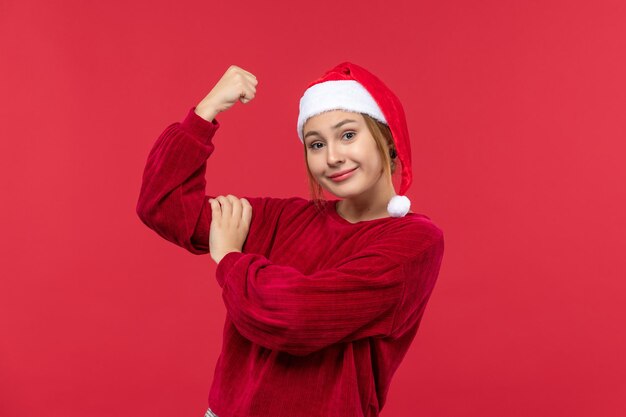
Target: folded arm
<point>369,295</point>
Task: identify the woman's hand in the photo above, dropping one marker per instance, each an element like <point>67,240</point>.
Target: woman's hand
<point>229,225</point>
<point>235,84</point>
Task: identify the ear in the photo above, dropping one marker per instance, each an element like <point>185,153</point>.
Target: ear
<point>392,152</point>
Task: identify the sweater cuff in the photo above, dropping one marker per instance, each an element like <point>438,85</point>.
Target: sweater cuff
<point>225,265</point>
<point>198,127</point>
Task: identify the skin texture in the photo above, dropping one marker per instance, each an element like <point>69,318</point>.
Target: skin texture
<point>366,193</point>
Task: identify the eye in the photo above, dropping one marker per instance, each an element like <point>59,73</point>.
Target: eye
<point>349,133</point>
<point>314,146</point>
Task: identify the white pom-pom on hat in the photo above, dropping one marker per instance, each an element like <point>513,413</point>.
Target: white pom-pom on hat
<point>398,206</point>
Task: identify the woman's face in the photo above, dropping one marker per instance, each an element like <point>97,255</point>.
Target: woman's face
<point>337,141</point>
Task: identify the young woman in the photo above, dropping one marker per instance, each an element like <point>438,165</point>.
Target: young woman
<point>323,297</point>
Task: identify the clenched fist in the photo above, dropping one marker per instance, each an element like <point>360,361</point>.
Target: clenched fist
<point>229,225</point>
<point>235,84</point>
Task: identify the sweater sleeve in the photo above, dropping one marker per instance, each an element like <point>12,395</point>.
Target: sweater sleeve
<point>172,200</point>
<point>367,295</point>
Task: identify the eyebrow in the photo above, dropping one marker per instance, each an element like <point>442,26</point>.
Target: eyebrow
<point>337,126</point>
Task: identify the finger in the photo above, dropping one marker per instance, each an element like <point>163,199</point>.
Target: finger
<point>248,74</point>
<point>247,94</point>
<point>248,89</point>
<point>236,207</point>
<point>248,82</point>
<point>251,79</point>
<point>246,211</point>
<point>226,206</point>
<point>215,208</point>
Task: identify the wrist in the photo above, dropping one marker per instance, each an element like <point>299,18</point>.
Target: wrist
<point>219,258</point>
<point>206,111</point>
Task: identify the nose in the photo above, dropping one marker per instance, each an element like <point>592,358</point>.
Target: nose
<point>334,155</point>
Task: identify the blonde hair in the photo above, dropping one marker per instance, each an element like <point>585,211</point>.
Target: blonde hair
<point>384,143</point>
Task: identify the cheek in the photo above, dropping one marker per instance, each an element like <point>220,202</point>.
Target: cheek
<point>374,165</point>
<point>313,164</point>
<point>369,157</point>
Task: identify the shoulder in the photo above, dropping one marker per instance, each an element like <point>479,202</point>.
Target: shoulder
<point>410,236</point>
<point>417,225</point>
<point>423,225</point>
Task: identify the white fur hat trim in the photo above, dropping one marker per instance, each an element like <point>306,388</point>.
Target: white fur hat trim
<point>398,206</point>
<point>348,95</point>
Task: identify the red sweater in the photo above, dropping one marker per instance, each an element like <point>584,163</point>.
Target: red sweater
<point>320,311</point>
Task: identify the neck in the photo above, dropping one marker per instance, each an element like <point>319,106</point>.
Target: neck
<point>369,205</point>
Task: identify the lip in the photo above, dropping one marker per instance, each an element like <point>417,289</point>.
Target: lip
<point>340,176</point>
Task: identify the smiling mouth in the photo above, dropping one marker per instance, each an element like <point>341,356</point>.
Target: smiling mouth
<point>341,174</point>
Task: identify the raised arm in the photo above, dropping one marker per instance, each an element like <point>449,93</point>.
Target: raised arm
<point>369,295</point>
<point>172,200</point>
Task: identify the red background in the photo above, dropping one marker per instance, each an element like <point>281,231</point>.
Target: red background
<point>516,115</point>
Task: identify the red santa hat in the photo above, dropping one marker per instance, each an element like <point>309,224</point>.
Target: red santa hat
<point>350,87</point>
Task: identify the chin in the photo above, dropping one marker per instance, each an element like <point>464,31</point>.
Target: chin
<point>334,191</point>
<point>345,192</point>
<point>350,189</point>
